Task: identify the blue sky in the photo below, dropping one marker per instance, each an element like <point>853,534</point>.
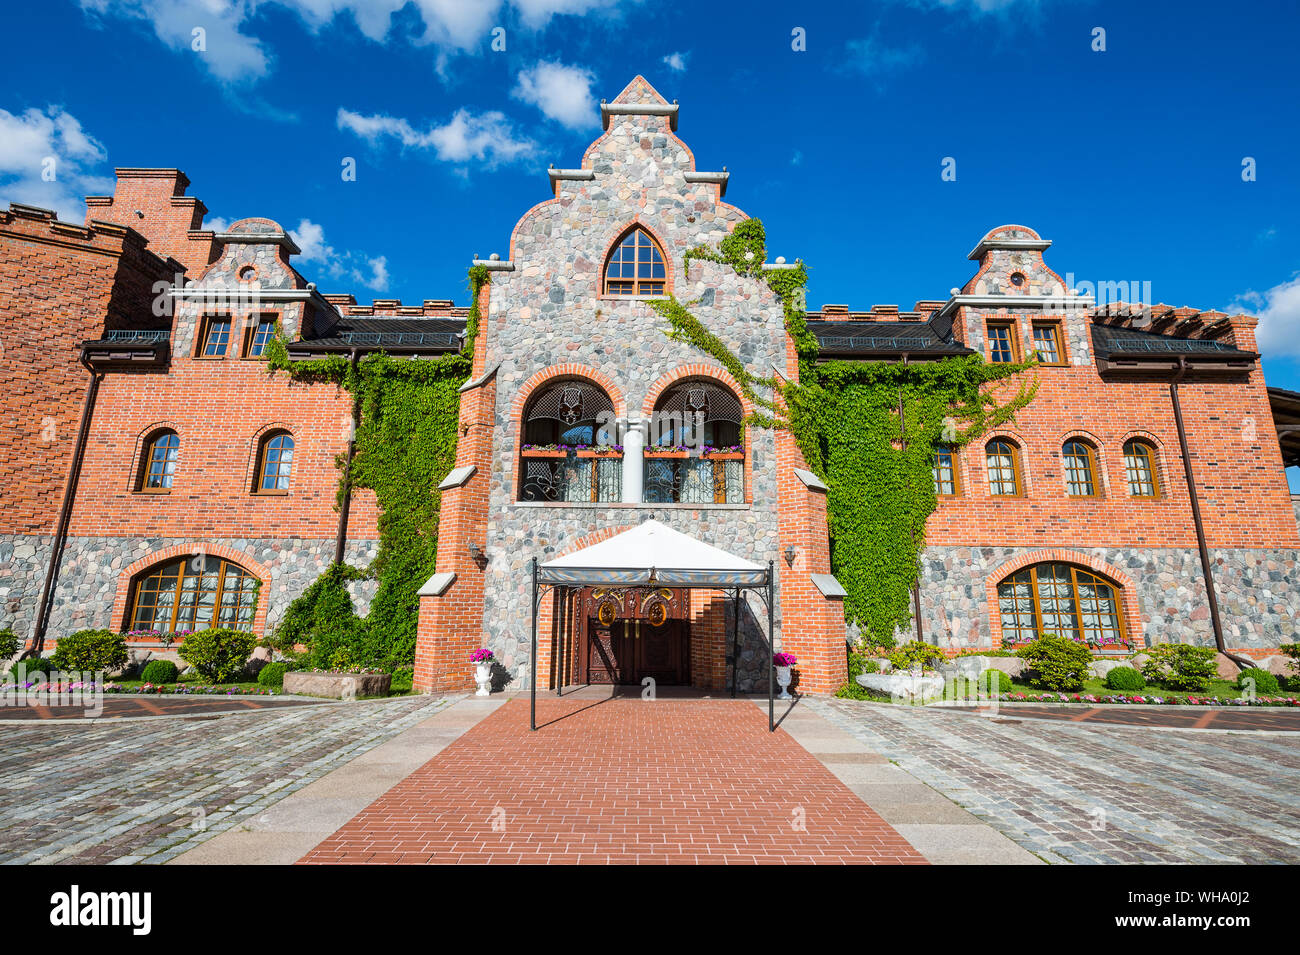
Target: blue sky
<point>1129,158</point>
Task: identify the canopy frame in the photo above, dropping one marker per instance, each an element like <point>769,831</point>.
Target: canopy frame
<point>761,583</point>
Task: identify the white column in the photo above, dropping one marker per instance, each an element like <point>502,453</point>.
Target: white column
<point>633,463</point>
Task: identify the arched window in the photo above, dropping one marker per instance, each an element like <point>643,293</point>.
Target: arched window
<point>274,463</point>
<point>1140,466</point>
<point>568,451</point>
<point>947,483</point>
<point>1060,599</point>
<point>695,454</point>
<point>1079,461</point>
<point>1003,461</point>
<point>636,266</point>
<point>194,593</point>
<point>158,462</point>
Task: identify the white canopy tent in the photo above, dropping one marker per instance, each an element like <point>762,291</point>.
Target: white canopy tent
<point>655,555</point>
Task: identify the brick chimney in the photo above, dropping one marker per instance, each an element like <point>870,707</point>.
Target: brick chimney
<point>153,203</point>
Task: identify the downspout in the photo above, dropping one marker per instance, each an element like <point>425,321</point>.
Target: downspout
<point>1196,518</point>
<point>916,584</point>
<point>65,511</point>
<point>340,538</point>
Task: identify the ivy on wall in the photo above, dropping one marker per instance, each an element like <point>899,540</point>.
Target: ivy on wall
<point>868,429</point>
<point>405,445</point>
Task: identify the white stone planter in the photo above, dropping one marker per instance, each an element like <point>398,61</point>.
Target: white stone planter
<point>483,677</point>
<point>783,676</point>
<point>904,687</point>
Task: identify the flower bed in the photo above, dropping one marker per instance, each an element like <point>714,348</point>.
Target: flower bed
<point>159,689</point>
<point>1147,699</point>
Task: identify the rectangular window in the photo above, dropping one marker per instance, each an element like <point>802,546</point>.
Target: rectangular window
<point>262,336</point>
<point>1001,348</point>
<point>1047,344</point>
<point>945,473</point>
<point>216,338</point>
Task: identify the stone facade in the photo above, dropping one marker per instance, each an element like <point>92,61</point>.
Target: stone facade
<point>1259,602</point>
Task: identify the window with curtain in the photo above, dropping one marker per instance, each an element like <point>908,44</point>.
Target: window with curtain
<point>705,418</point>
<point>1140,466</point>
<point>1080,465</point>
<point>1060,599</point>
<point>946,483</point>
<point>194,593</point>
<point>1003,462</point>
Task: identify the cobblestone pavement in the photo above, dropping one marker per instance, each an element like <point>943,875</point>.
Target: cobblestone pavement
<point>117,707</point>
<point>620,781</point>
<point>1099,793</point>
<point>148,790</point>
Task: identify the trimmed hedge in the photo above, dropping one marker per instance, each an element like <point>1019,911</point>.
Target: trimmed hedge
<point>1265,682</point>
<point>217,653</point>
<point>1058,663</point>
<point>159,671</point>
<point>1181,666</point>
<point>1125,678</point>
<point>92,650</point>
<point>272,675</point>
<point>999,681</point>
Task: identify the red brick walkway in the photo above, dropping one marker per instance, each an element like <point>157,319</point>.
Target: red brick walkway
<point>620,781</point>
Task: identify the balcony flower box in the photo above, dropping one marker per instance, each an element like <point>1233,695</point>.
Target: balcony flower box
<point>723,455</point>
<point>551,451</point>
<point>606,451</point>
<point>667,452</point>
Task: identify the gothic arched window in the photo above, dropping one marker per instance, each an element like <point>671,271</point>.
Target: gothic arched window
<point>636,266</point>
<point>568,451</point>
<point>695,453</point>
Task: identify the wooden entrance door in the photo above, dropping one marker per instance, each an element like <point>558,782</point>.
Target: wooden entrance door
<point>628,651</point>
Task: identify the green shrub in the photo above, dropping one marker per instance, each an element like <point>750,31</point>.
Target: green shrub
<point>854,690</point>
<point>9,643</point>
<point>34,665</point>
<point>403,680</point>
<point>159,671</point>
<point>915,653</point>
<point>860,663</point>
<point>1265,682</point>
<point>1125,679</point>
<point>1180,666</point>
<point>217,653</point>
<point>1001,681</point>
<point>92,650</point>
<point>1292,650</point>
<point>272,675</point>
<point>1058,663</point>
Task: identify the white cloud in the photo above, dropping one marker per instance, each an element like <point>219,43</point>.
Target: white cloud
<point>234,55</point>
<point>48,160</point>
<point>1278,310</point>
<point>563,93</point>
<point>871,56</point>
<point>676,62</point>
<point>216,224</point>
<point>488,137</point>
<point>339,266</point>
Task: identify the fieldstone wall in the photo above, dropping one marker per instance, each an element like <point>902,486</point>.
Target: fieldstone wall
<point>23,561</point>
<point>1258,591</point>
<point>549,311</point>
<point>92,567</point>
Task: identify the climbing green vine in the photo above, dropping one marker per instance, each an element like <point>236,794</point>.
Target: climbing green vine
<point>405,445</point>
<point>845,417</point>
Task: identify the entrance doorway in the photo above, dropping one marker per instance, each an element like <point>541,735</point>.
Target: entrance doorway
<point>628,651</point>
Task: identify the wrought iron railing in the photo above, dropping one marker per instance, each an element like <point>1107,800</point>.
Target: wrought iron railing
<point>138,335</point>
<point>430,339</point>
<point>697,480</point>
<point>572,479</point>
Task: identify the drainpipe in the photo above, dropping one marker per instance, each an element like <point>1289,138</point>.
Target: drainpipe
<point>340,538</point>
<point>65,511</point>
<point>1196,518</point>
<point>916,584</point>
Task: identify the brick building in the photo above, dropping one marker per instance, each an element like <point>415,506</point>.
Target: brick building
<point>181,485</point>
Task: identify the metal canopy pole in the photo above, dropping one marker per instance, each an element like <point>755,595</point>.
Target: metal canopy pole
<point>771,648</point>
<point>532,683</point>
<point>735,638</point>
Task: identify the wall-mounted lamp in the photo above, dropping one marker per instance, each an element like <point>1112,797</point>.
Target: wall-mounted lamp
<point>475,552</point>
<point>790,553</point>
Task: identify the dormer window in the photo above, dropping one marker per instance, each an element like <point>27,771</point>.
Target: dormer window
<point>636,266</point>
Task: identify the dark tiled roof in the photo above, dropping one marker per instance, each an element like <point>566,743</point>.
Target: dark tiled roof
<point>863,339</point>
<point>1286,415</point>
<point>1110,341</point>
<point>425,333</point>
